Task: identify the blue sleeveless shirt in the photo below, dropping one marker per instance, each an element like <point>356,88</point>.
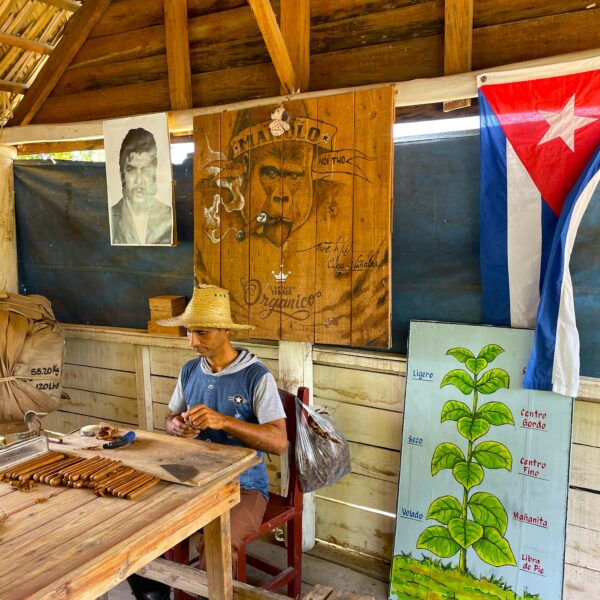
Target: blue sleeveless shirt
<point>230,394</point>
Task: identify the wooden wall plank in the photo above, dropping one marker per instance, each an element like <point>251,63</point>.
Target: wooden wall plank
<point>584,509</point>
<point>65,422</point>
<point>376,463</point>
<point>103,381</point>
<point>75,33</point>
<point>583,548</point>
<point>107,103</point>
<point>178,54</point>
<point>372,227</point>
<point>100,406</point>
<point>586,423</point>
<point>106,355</point>
<point>162,390</point>
<point>161,411</point>
<point>333,263</point>
<point>128,15</point>
<point>207,255</point>
<point>298,252</point>
<point>363,491</point>
<point>580,583</point>
<point>369,532</point>
<point>584,467</point>
<point>375,390</point>
<point>365,425</point>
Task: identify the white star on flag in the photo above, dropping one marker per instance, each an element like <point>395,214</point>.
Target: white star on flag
<point>563,124</point>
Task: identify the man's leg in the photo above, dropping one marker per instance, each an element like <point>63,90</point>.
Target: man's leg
<point>245,517</point>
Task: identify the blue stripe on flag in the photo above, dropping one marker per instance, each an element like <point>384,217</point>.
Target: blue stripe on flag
<point>493,219</point>
<point>540,368</point>
<point>549,222</point>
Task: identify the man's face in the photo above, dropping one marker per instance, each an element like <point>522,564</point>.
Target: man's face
<point>281,188</point>
<point>139,174</point>
<point>208,342</point>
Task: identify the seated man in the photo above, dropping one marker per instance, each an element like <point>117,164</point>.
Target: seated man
<point>228,396</point>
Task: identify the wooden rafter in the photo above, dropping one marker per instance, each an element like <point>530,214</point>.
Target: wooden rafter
<point>295,29</point>
<point>70,5</point>
<point>13,87</point>
<point>267,23</point>
<point>178,54</point>
<point>75,34</point>
<point>26,44</point>
<point>458,43</point>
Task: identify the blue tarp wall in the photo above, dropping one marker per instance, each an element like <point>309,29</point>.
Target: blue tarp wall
<point>65,254</point>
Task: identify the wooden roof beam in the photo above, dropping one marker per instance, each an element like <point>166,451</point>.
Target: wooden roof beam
<point>178,54</point>
<point>295,29</point>
<point>13,87</point>
<point>26,44</point>
<point>267,23</point>
<point>70,5</point>
<point>74,35</point>
<point>458,43</point>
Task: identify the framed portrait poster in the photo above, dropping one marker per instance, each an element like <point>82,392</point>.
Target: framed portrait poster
<point>139,181</point>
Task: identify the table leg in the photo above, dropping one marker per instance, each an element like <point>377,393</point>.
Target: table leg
<point>217,546</point>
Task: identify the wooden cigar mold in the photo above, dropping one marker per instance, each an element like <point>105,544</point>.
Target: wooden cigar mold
<point>104,475</point>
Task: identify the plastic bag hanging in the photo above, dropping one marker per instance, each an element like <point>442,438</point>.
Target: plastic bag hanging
<point>322,452</point>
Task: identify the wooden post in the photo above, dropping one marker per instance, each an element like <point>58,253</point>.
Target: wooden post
<point>9,281</point>
<point>295,370</point>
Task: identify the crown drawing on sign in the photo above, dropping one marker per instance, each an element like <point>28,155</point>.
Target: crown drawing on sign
<point>281,276</point>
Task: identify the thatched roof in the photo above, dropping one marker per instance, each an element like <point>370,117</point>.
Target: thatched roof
<point>29,32</point>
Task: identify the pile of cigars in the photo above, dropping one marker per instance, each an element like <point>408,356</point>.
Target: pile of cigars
<point>105,476</point>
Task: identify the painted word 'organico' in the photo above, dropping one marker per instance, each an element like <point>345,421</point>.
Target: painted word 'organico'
<point>533,419</point>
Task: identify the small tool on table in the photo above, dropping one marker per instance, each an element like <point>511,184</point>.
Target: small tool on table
<point>181,472</point>
<point>121,441</point>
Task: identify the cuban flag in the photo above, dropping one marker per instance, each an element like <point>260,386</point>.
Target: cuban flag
<point>538,144</point>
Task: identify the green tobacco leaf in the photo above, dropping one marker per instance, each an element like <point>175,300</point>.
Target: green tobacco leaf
<point>493,380</point>
<point>465,533</point>
<point>488,511</point>
<point>490,352</point>
<point>445,456</point>
<point>459,378</point>
<point>460,354</point>
<point>476,364</point>
<point>493,455</point>
<point>445,508</point>
<point>495,413</point>
<point>437,539</point>
<point>472,427</point>
<point>468,474</point>
<point>454,410</point>
<point>494,549</point>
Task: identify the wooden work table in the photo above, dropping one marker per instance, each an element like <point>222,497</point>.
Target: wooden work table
<point>64,543</point>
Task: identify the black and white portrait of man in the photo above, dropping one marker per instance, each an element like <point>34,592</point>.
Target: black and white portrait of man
<point>139,179</point>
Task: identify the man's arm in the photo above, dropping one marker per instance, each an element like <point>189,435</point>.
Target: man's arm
<point>175,425</point>
<point>268,437</point>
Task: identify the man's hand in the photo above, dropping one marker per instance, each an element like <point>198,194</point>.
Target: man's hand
<point>175,425</point>
<point>202,417</point>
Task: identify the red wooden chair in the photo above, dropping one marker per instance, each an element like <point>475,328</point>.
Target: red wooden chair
<point>280,510</point>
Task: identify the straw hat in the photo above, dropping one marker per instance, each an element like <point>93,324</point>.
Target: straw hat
<point>208,309</point>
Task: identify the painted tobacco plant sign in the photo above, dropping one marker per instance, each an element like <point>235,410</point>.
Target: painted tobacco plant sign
<point>484,477</point>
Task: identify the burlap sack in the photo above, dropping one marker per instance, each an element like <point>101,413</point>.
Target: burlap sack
<point>32,350</point>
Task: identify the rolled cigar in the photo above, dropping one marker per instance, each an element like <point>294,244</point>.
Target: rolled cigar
<point>55,467</point>
<point>77,484</point>
<point>112,477</point>
<point>40,461</point>
<point>54,481</point>
<point>126,483</point>
<point>80,463</point>
<point>29,462</point>
<point>87,467</point>
<point>142,488</point>
<point>114,464</point>
<point>112,487</point>
<point>136,483</point>
<point>95,469</point>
